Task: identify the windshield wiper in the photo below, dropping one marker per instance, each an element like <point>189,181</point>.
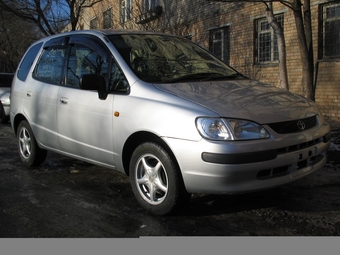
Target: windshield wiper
<point>202,77</point>
<point>222,77</point>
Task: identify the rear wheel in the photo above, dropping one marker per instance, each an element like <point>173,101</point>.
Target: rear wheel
<point>156,179</point>
<point>29,151</point>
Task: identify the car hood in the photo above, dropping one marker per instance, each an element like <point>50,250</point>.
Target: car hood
<point>245,99</point>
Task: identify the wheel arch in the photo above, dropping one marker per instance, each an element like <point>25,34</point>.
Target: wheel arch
<point>16,121</point>
<point>137,139</point>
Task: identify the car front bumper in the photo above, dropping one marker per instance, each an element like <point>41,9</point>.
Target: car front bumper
<point>246,166</point>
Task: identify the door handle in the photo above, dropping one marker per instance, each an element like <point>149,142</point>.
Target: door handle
<point>29,93</point>
<point>64,100</point>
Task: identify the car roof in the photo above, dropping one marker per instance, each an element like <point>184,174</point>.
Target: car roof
<point>100,33</point>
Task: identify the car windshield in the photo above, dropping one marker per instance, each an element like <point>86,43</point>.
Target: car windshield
<point>166,59</point>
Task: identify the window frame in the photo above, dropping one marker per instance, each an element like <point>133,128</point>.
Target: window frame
<point>324,46</point>
<point>38,77</point>
<point>94,26</point>
<point>148,5</point>
<point>264,55</point>
<point>125,10</point>
<point>107,19</point>
<point>225,43</point>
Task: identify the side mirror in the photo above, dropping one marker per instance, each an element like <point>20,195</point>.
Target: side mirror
<point>94,82</point>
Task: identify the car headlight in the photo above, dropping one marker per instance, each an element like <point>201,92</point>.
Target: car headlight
<point>230,129</point>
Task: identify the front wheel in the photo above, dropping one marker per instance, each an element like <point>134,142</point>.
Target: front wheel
<point>156,179</point>
<point>29,151</point>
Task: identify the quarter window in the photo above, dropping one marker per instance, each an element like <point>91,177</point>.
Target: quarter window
<point>266,49</point>
<point>331,30</point>
<point>117,83</point>
<point>27,62</point>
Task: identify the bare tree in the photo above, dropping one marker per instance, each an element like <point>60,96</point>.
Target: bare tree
<point>304,32</point>
<point>281,45</point>
<point>302,15</point>
<point>14,41</point>
<point>50,16</point>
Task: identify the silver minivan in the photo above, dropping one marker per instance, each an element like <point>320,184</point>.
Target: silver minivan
<point>166,112</point>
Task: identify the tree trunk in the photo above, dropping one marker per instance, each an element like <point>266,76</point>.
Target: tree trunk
<point>307,63</point>
<point>309,38</point>
<point>281,46</point>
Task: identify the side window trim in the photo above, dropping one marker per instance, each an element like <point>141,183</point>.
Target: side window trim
<point>45,78</point>
<point>60,42</point>
<point>92,43</point>
<point>80,60</point>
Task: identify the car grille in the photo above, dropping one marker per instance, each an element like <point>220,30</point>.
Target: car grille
<point>286,170</point>
<point>294,126</point>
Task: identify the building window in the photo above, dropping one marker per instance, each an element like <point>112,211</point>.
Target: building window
<point>331,30</point>
<point>149,5</point>
<point>94,23</point>
<point>266,49</point>
<point>125,10</point>
<point>219,43</point>
<point>107,18</point>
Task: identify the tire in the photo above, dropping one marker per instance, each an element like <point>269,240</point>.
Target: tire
<point>156,180</point>
<point>3,117</point>
<point>29,151</point>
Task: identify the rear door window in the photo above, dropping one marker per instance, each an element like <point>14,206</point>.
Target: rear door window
<point>50,66</point>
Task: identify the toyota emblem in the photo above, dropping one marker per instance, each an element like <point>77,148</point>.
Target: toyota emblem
<point>301,125</point>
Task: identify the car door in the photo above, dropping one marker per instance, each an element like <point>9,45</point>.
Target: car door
<point>85,121</point>
<point>41,92</point>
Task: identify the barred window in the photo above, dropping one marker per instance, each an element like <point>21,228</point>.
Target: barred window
<point>266,48</point>
<point>331,30</point>
<point>125,10</point>
<point>107,18</point>
<point>94,23</point>
<point>149,5</point>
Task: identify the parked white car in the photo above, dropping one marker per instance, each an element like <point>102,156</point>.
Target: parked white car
<point>164,111</point>
<point>5,90</point>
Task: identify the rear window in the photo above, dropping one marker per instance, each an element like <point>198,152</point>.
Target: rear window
<point>28,61</point>
<point>6,80</point>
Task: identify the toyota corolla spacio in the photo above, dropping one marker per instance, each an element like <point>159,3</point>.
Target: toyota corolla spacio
<point>164,111</point>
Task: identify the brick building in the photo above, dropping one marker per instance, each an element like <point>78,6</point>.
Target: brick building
<point>239,33</point>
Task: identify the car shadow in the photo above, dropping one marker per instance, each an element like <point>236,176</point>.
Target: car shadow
<point>291,197</point>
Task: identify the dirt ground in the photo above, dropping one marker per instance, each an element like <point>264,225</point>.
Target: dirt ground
<point>68,198</point>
